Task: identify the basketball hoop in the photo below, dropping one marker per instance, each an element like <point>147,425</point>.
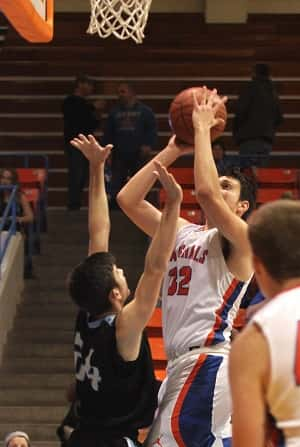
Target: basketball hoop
<point>123,18</point>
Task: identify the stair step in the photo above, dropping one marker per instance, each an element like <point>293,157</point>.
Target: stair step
<point>50,310</point>
<point>58,298</point>
<point>35,365</point>
<point>19,415</point>
<point>38,380</point>
<point>44,323</point>
<point>37,432</point>
<point>44,336</point>
<point>33,397</point>
<point>44,350</point>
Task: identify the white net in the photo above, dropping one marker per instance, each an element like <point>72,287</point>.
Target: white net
<point>123,18</point>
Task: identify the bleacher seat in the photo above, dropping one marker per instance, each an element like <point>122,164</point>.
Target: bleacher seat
<point>32,178</point>
<point>193,215</point>
<point>265,195</point>
<point>158,353</point>
<point>184,176</point>
<point>154,325</point>
<point>188,197</point>
<point>154,331</point>
<point>278,176</point>
<point>33,196</point>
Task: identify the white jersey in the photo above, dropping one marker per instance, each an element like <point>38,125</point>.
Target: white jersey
<point>200,297</point>
<point>280,323</point>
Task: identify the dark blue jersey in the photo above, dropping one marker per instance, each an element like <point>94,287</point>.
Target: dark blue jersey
<point>116,397</point>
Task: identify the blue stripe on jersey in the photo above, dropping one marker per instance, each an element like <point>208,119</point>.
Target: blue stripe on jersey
<point>196,412</point>
<point>219,333</point>
<point>226,442</point>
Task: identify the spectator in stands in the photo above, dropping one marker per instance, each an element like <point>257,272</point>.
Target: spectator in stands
<point>80,116</point>
<point>131,128</point>
<point>287,195</point>
<point>219,154</point>
<point>257,117</point>
<point>24,211</point>
<point>17,439</point>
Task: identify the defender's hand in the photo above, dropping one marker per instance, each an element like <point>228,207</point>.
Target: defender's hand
<point>172,188</point>
<point>91,149</point>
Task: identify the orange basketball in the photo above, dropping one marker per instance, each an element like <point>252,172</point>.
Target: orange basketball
<point>180,116</point>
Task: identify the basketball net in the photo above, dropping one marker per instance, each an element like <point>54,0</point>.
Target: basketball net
<point>123,18</point>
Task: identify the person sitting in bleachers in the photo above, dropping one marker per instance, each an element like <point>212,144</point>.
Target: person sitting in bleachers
<point>24,211</point>
<point>17,439</point>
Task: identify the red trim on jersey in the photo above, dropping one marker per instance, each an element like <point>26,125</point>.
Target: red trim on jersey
<point>218,321</point>
<point>178,405</point>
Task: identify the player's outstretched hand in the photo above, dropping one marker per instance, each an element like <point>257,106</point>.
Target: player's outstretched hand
<point>172,188</point>
<point>91,149</point>
<point>204,114</point>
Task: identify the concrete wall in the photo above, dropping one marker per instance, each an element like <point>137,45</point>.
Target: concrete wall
<point>156,6</point>
<point>273,6</point>
<point>253,6</point>
<point>11,286</point>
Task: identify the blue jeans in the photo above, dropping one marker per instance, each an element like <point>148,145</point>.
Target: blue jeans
<point>255,153</point>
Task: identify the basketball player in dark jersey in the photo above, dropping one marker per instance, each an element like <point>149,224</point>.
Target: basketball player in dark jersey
<point>115,382</point>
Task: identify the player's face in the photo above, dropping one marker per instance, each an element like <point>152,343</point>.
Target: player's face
<point>231,190</point>
<point>122,282</point>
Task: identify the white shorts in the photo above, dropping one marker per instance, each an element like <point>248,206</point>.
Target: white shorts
<point>194,403</point>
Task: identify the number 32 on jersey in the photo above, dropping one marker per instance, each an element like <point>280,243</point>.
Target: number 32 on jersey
<point>180,279</point>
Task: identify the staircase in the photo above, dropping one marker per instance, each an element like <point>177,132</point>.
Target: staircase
<point>38,362</point>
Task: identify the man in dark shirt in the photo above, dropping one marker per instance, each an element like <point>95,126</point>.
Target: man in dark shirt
<point>257,117</point>
<point>220,157</point>
<point>131,128</point>
<point>115,381</point>
<point>80,116</point>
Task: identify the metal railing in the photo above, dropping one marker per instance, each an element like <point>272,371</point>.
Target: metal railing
<point>9,216</point>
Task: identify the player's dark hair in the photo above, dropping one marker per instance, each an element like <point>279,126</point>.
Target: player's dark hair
<point>91,282</point>
<point>274,237</point>
<point>248,187</point>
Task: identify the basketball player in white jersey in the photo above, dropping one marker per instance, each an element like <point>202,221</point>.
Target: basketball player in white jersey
<point>265,358</point>
<point>208,274</point>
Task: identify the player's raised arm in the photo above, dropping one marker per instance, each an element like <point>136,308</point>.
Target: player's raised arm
<point>209,192</point>
<point>131,198</point>
<point>134,316</point>
<point>98,216</point>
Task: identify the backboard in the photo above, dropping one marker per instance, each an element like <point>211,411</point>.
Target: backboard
<point>33,19</point>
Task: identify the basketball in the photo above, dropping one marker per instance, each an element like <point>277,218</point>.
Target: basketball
<point>180,116</point>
